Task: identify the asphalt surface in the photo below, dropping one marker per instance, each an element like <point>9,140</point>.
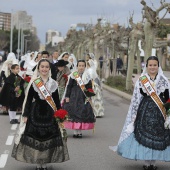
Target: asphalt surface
<point>89,153</point>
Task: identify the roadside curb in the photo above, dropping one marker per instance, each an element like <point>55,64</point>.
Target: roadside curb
<point>117,92</point>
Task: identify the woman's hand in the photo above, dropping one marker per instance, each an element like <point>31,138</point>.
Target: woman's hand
<point>67,99</point>
<point>25,119</point>
<point>17,89</point>
<point>90,100</point>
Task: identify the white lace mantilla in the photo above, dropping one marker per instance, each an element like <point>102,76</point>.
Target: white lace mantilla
<point>85,77</point>
<point>51,86</point>
<point>161,83</point>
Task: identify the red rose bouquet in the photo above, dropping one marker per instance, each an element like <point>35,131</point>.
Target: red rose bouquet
<point>167,120</point>
<point>61,115</point>
<point>27,79</point>
<point>167,107</point>
<point>89,92</point>
<point>17,84</point>
<point>65,77</point>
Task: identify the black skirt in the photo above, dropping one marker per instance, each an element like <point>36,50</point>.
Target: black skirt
<point>149,126</point>
<point>78,109</point>
<point>42,140</point>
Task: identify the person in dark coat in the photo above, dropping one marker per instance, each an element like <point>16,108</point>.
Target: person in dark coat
<point>62,76</point>
<point>101,62</point>
<point>119,64</point>
<point>53,61</point>
<point>12,93</point>
<point>5,72</point>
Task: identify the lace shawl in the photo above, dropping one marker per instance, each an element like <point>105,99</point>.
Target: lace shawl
<point>51,86</point>
<point>85,77</point>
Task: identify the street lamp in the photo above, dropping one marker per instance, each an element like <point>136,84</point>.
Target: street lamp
<point>26,41</point>
<point>19,33</point>
<point>11,34</point>
<point>23,42</point>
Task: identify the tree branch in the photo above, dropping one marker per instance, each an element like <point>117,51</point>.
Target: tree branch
<point>163,6</point>
<point>164,15</point>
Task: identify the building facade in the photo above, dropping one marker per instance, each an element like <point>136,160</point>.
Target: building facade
<point>56,40</point>
<point>5,21</point>
<point>22,20</point>
<point>50,34</point>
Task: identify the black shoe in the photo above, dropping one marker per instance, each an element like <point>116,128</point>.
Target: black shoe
<point>5,113</point>
<point>16,121</point>
<point>99,116</point>
<point>152,167</point>
<point>146,167</point>
<point>38,168</point>
<point>13,121</point>
<point>44,168</point>
<point>75,136</point>
<point>79,136</point>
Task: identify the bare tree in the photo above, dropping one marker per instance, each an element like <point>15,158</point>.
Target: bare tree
<point>151,24</point>
<point>135,35</point>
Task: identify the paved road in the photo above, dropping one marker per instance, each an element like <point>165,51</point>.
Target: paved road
<point>89,153</point>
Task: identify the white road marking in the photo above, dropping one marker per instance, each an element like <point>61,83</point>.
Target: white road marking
<point>10,140</point>
<point>14,126</point>
<point>3,160</point>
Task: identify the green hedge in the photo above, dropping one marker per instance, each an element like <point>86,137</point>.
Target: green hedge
<point>118,82</point>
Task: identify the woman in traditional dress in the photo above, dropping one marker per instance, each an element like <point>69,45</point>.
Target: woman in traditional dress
<point>97,100</point>
<point>73,62</point>
<point>39,140</point>
<point>65,56</point>
<point>30,63</point>
<point>78,101</point>
<point>145,136</point>
<point>62,76</point>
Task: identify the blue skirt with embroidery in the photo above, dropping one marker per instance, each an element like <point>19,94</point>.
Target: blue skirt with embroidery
<point>150,140</point>
<point>131,149</point>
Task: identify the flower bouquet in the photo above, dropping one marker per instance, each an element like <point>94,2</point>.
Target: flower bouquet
<point>27,80</point>
<point>89,92</point>
<point>65,76</point>
<point>17,84</point>
<point>61,115</point>
<point>167,121</point>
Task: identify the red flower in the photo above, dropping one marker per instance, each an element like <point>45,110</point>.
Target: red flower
<point>22,69</point>
<point>90,90</point>
<point>27,79</point>
<point>167,104</point>
<point>66,77</point>
<point>61,115</point>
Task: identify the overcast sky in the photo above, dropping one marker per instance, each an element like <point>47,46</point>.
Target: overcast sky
<point>60,14</point>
